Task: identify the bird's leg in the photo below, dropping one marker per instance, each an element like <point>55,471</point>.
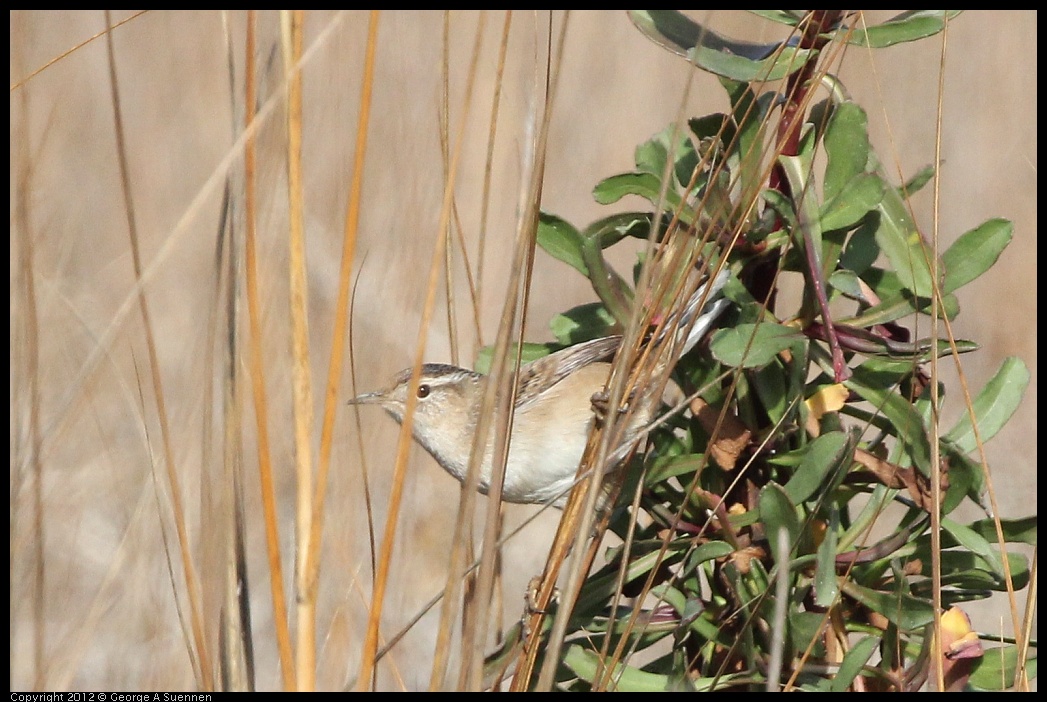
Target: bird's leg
<point>531,597</point>
<point>601,402</point>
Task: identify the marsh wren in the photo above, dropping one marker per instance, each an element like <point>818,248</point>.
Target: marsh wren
<point>554,410</point>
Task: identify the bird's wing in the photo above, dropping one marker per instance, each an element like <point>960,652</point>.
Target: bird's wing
<point>541,374</point>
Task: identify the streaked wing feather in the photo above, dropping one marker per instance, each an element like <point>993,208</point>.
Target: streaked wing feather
<point>543,373</point>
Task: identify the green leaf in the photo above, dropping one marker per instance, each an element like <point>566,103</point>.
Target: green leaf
<point>808,233</point>
<point>861,250</point>
<point>964,570</point>
<point>975,252</point>
<point>907,422</point>
<point>846,147</point>
<point>582,323</point>
<point>707,552</point>
<point>529,353</point>
<point>610,230</point>
<point>769,384</point>
<point>561,240</point>
<point>611,288</point>
<point>666,467</point>
<point>868,513</point>
<point>675,31</point>
<point>716,203</point>
<point>613,188</point>
<point>906,611</point>
<point>777,512</point>
<point>973,542</point>
<point>602,585</point>
<point>749,116</point>
<point>821,458</point>
<point>896,301</point>
<point>994,406</point>
<point>995,670</point>
<point>826,582</point>
<point>722,62</point>
<point>902,244</point>
<point>747,308</point>
<point>671,142</point>
<point>908,26</point>
<point>650,156</point>
<point>921,350</point>
<point>886,284</point>
<point>846,281</point>
<point>965,478</point>
<point>1014,530</point>
<point>752,345</point>
<point>896,307</point>
<point>782,205</point>
<point>646,185</point>
<point>586,664</point>
<point>852,663</point>
<point>854,200</point>
<point>712,125</point>
<point>916,183</point>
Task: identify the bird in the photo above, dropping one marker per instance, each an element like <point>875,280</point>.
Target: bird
<point>553,411</point>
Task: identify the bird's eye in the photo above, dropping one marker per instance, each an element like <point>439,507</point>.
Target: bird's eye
<point>423,391</point>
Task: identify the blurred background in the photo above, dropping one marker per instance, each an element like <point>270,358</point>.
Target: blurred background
<point>92,604</point>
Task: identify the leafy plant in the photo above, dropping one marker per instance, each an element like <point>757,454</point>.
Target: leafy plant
<point>749,559</point>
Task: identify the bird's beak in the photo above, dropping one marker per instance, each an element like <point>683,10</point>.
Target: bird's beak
<point>370,398</point>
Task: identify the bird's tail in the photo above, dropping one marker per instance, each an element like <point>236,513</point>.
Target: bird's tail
<point>707,300</point>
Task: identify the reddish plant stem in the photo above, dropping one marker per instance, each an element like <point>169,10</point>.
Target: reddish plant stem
<point>798,86</point>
